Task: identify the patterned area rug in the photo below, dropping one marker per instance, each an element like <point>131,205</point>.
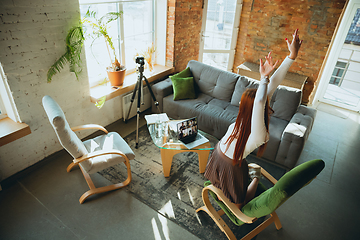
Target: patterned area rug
<point>178,196</point>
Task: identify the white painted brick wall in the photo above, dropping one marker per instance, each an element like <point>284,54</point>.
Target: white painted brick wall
<point>32,37</point>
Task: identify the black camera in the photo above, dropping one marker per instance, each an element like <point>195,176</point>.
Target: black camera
<point>140,60</point>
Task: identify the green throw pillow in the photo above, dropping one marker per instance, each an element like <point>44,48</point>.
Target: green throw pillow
<point>183,88</point>
<point>183,74</point>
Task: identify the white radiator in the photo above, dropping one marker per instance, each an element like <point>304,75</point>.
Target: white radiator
<point>126,102</point>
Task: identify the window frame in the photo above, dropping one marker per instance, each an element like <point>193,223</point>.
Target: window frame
<point>7,104</point>
<point>341,77</point>
<point>121,51</point>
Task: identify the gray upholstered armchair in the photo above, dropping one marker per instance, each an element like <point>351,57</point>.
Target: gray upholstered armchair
<point>91,155</point>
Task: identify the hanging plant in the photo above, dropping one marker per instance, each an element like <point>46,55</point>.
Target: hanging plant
<point>74,44</point>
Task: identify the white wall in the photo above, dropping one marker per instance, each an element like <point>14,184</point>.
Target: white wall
<point>32,35</point>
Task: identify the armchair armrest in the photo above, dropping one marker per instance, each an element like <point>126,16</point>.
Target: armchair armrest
<point>161,89</point>
<point>99,153</point>
<point>232,207</point>
<point>89,126</point>
<point>266,175</point>
<point>294,136</point>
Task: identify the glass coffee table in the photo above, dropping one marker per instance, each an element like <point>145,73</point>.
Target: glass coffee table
<point>169,146</point>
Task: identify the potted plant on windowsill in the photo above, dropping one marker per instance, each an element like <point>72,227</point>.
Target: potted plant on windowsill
<point>74,44</point>
<point>100,27</point>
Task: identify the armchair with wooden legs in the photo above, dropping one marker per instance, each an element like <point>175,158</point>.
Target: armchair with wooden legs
<point>266,201</point>
<point>92,155</point>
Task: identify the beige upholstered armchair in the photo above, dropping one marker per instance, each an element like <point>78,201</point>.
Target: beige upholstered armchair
<point>91,155</point>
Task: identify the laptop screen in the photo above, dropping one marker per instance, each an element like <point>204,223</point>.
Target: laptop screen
<point>187,128</point>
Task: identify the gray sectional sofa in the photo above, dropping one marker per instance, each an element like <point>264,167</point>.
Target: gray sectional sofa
<point>217,103</point>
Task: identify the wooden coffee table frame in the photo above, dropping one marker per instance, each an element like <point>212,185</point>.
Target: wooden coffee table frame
<point>170,149</point>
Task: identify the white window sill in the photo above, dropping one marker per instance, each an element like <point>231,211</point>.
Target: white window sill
<point>11,131</point>
<point>100,91</point>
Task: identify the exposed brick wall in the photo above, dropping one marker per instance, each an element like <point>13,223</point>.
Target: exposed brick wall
<point>187,27</point>
<point>170,33</point>
<point>265,24</point>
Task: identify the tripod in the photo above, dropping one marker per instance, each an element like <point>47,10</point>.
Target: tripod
<point>140,98</point>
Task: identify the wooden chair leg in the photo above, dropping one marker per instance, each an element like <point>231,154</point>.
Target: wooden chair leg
<point>272,219</point>
<point>93,190</point>
<point>166,160</point>
<point>210,210</point>
<point>71,165</point>
<point>216,216</point>
<point>276,221</point>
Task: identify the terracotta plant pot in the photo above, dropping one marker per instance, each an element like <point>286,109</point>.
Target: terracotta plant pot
<point>116,78</point>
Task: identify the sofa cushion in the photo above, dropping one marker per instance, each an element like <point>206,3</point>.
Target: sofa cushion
<point>242,84</point>
<point>183,88</point>
<point>276,129</point>
<point>183,74</point>
<point>285,102</point>
<point>213,81</point>
<point>106,142</point>
<point>214,115</point>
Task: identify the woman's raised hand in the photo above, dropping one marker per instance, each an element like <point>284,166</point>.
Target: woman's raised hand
<point>266,68</point>
<point>294,45</point>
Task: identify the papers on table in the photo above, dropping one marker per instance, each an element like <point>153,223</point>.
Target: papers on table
<point>153,118</point>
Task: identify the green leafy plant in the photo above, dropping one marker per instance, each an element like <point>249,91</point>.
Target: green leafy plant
<point>99,104</point>
<point>74,43</point>
<point>100,27</point>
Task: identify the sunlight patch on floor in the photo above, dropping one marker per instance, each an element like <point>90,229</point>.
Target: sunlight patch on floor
<point>190,196</point>
<point>157,235</point>
<point>197,217</point>
<point>168,210</point>
<point>333,110</point>
<point>165,227</point>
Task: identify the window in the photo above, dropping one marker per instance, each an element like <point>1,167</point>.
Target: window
<point>131,34</point>
<point>7,104</point>
<point>338,73</point>
<point>2,109</point>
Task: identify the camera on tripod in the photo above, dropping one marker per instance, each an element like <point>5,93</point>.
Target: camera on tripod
<point>140,94</point>
<point>140,60</point>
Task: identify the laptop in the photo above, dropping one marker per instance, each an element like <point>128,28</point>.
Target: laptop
<point>187,131</point>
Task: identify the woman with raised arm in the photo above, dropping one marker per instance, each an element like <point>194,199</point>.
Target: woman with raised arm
<point>227,168</point>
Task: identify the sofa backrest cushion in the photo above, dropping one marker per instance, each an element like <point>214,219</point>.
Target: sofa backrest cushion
<point>212,81</point>
<point>242,84</point>
<point>285,100</point>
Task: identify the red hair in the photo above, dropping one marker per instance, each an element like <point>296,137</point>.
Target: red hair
<point>242,128</point>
